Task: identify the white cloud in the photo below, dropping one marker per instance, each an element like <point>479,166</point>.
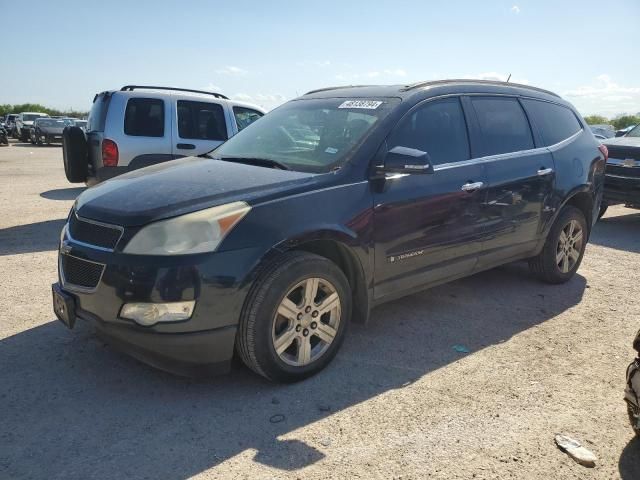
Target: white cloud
<point>515,9</point>
<point>267,101</point>
<point>212,87</point>
<point>604,96</point>
<point>231,70</point>
<point>497,77</point>
<point>386,73</point>
<point>314,63</point>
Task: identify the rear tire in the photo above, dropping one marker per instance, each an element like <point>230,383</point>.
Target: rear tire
<point>564,248</point>
<point>75,154</point>
<point>282,327</point>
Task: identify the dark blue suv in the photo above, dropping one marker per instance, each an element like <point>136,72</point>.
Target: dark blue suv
<point>331,204</point>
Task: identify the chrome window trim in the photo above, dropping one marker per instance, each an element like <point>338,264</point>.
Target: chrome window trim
<point>510,155</point>
<point>94,222</point>
<point>501,156</point>
<point>72,286</point>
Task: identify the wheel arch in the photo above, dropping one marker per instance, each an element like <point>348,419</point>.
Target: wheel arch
<point>583,201</point>
<point>342,248</point>
<point>347,261</point>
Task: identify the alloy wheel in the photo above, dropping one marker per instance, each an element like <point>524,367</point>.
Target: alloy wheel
<point>569,246</point>
<point>306,322</point>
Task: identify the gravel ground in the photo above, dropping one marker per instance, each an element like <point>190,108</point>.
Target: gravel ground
<point>398,402</point>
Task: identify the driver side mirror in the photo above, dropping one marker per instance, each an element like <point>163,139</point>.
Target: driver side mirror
<point>407,160</point>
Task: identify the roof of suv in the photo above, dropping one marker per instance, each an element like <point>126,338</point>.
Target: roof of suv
<point>436,87</point>
<point>137,91</point>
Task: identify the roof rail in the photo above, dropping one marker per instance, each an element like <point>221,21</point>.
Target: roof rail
<point>130,88</point>
<point>470,80</point>
<point>334,88</point>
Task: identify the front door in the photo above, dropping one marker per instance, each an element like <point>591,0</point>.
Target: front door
<point>428,227</point>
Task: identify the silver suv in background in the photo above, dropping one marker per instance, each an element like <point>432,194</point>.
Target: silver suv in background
<point>24,123</point>
<point>138,126</point>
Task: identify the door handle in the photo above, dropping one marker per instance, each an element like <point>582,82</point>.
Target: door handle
<point>472,186</point>
<point>186,146</point>
<point>544,171</point>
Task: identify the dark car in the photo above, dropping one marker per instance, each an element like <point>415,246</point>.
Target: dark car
<point>49,130</point>
<point>603,131</point>
<point>10,123</point>
<point>329,205</point>
<point>622,185</point>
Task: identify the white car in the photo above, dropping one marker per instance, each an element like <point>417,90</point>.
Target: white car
<point>138,126</point>
<point>24,123</point>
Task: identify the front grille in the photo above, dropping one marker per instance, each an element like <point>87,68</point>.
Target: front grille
<point>620,151</point>
<point>97,234</point>
<point>79,272</point>
<point>623,171</point>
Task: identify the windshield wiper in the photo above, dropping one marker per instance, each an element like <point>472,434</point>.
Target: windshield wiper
<point>262,162</point>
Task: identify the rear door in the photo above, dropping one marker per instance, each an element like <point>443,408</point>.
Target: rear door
<point>429,227</point>
<point>144,138</point>
<point>521,176</point>
<point>201,125</point>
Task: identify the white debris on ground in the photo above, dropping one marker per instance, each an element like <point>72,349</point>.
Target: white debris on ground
<point>575,450</point>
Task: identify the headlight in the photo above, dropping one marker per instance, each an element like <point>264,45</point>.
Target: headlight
<point>195,232</point>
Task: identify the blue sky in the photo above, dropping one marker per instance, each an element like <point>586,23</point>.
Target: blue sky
<point>60,53</point>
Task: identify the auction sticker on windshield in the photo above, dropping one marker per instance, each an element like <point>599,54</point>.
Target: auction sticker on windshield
<point>367,104</point>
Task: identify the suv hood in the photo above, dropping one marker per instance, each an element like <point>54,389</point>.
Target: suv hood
<point>181,186</point>
<point>622,142</point>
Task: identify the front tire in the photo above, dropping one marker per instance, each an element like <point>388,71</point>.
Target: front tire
<point>295,317</point>
<point>564,248</point>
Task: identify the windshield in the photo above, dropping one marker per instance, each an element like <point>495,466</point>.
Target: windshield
<point>315,135</point>
<point>635,132</point>
<point>28,117</point>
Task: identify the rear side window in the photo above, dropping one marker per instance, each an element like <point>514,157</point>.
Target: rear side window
<point>144,117</point>
<point>245,116</point>
<point>201,121</point>
<point>98,113</point>
<point>438,128</point>
<point>503,124</point>
<point>555,122</point>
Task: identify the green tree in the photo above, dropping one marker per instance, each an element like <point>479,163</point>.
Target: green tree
<point>625,121</point>
<point>596,120</point>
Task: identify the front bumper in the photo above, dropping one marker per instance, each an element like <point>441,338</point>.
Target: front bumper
<point>622,186</point>
<point>204,343</point>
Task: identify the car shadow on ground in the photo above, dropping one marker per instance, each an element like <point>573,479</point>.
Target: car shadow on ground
<point>72,407</point>
<point>63,193</point>
<point>618,232</point>
<point>31,145</point>
<point>629,465</point>
<point>32,237</point>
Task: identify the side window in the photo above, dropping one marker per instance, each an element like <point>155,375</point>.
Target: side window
<point>503,124</point>
<point>555,122</point>
<point>144,117</point>
<point>245,116</point>
<point>201,121</point>
<point>438,128</point>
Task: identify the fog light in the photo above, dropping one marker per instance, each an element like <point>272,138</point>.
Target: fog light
<point>148,314</point>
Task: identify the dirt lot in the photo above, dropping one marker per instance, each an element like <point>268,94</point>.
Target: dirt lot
<point>398,402</point>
